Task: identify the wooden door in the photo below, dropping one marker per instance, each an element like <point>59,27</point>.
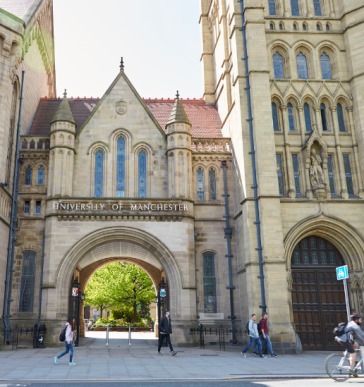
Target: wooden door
<point>318,299</point>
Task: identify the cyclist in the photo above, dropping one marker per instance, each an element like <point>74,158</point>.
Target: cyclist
<point>352,328</point>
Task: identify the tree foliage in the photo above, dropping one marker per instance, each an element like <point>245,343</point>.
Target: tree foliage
<point>117,285</point>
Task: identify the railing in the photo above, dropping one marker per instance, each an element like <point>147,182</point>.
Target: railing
<point>221,332</point>
<point>211,145</point>
<point>34,143</point>
<point>11,336</point>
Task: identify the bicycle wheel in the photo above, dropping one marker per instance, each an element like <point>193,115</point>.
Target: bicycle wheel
<point>337,367</point>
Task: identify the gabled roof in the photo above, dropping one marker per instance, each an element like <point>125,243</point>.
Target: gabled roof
<point>204,118</point>
<point>22,9</point>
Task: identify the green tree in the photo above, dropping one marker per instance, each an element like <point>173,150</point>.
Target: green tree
<point>120,285</point>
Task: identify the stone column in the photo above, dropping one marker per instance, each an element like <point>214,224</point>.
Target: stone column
<point>344,191</point>
<point>290,179</point>
<point>355,149</point>
<point>302,123</point>
<point>332,9</point>
<point>317,110</point>
<point>287,8</point>
<point>309,8</point>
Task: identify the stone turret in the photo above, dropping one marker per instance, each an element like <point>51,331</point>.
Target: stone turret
<point>179,152</point>
<point>62,151</point>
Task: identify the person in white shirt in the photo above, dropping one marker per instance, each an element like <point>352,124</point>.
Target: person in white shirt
<point>70,331</point>
<point>254,337</point>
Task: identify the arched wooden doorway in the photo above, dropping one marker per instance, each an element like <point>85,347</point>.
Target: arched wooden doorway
<point>318,299</point>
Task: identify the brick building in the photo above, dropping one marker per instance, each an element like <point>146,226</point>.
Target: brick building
<point>142,181</point>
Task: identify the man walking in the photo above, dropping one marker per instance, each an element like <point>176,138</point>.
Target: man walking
<point>165,329</point>
<point>263,326</point>
<point>254,337</point>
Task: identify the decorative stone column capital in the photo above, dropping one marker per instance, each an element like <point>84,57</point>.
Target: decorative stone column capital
<point>299,108</point>
<point>283,107</point>
<point>333,108</point>
<point>350,108</point>
<point>317,108</point>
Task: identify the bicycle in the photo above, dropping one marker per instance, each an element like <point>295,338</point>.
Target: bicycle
<point>337,365</point>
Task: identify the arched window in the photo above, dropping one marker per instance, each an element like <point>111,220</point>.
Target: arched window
<point>40,144</point>
<point>304,27</point>
<point>302,66</point>
<point>272,7</point>
<point>317,6</point>
<point>306,108</point>
<point>40,176</point>
<point>27,282</point>
<point>340,117</point>
<point>327,27</point>
<point>212,184</point>
<point>275,117</point>
<point>278,65</point>
<point>295,27</point>
<point>280,173</point>
<point>99,174</point>
<point>209,283</point>
<point>325,66</point>
<point>47,144</point>
<point>24,144</point>
<point>28,176</point>
<point>295,8</point>
<point>142,175</point>
<point>281,26</point>
<point>32,145</point>
<point>120,172</point>
<point>271,26</point>
<point>318,27</point>
<point>200,191</point>
<point>323,117</point>
<point>290,117</point>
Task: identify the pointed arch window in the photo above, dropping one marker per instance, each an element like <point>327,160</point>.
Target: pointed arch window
<point>209,283</point>
<point>275,117</point>
<point>271,26</point>
<point>200,191</point>
<point>280,173</point>
<point>142,175</point>
<point>302,66</point>
<point>278,65</point>
<point>272,7</point>
<point>24,145</point>
<point>212,184</point>
<point>295,27</point>
<point>290,117</point>
<point>323,117</point>
<point>28,176</point>
<point>295,8</point>
<point>304,27</point>
<point>40,176</point>
<point>340,117</point>
<point>330,170</point>
<point>325,66</point>
<point>120,170</point>
<point>349,180</point>
<point>296,172</point>
<point>27,282</point>
<point>306,108</point>
<point>99,174</point>
<point>317,7</point>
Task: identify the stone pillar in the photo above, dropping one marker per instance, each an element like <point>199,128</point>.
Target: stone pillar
<point>344,191</point>
<point>309,8</point>
<point>317,110</point>
<point>290,178</point>
<point>332,9</point>
<point>287,8</point>
<point>301,117</point>
<point>355,149</point>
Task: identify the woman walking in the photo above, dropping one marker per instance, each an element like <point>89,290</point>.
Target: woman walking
<point>69,338</point>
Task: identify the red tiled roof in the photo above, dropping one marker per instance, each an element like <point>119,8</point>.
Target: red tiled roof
<point>204,117</point>
<point>18,8</point>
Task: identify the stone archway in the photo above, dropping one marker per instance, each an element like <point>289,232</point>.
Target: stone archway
<point>126,242</point>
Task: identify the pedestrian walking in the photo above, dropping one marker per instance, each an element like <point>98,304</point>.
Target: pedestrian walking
<point>263,327</point>
<point>253,336</point>
<point>165,329</point>
<point>70,331</point>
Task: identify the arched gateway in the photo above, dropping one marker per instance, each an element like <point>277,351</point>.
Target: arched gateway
<point>318,299</point>
<point>119,243</point>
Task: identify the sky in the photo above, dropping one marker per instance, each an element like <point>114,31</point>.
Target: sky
<point>159,40</point>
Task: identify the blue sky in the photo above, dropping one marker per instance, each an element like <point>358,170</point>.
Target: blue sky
<point>159,40</point>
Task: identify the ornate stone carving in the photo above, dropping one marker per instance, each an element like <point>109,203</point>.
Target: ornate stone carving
<point>121,107</point>
<point>316,173</point>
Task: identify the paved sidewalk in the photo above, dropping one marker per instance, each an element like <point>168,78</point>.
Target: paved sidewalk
<point>140,362</point>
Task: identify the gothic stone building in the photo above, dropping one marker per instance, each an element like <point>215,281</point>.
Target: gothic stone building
<point>123,178</point>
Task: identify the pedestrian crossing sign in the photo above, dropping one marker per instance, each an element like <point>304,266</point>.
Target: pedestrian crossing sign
<point>342,272</point>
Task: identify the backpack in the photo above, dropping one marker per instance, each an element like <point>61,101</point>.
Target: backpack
<point>247,328</point>
<point>62,336</point>
<point>340,329</point>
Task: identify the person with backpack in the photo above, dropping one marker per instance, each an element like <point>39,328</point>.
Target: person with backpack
<point>67,337</point>
<point>252,329</point>
<point>165,329</point>
<point>344,335</point>
<point>263,330</point>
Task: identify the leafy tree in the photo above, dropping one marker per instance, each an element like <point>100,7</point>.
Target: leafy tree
<point>120,285</point>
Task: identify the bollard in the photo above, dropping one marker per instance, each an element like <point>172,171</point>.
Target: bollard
<point>129,336</point>
<point>107,336</point>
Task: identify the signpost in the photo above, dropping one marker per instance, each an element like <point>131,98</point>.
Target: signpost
<point>342,273</point>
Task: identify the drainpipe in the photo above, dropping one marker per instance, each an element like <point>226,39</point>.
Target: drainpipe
<point>228,233</point>
<point>41,281</point>
<point>195,239</point>
<point>252,153</point>
<point>12,225</point>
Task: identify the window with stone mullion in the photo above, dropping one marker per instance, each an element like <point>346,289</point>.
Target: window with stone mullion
<point>209,283</point>
<point>278,65</point>
<point>272,7</point>
<point>307,112</point>
<point>296,172</point>
<point>349,179</point>
<point>200,191</point>
<point>142,175</point>
<point>27,282</point>
<point>99,174</point>
<point>317,7</point>
<point>120,168</point>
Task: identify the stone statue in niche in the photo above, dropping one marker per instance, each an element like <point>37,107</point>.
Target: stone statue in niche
<point>316,173</point>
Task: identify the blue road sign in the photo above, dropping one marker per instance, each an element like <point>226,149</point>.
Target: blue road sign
<point>342,272</point>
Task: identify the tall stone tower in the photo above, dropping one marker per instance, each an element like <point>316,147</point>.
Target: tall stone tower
<point>62,151</point>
